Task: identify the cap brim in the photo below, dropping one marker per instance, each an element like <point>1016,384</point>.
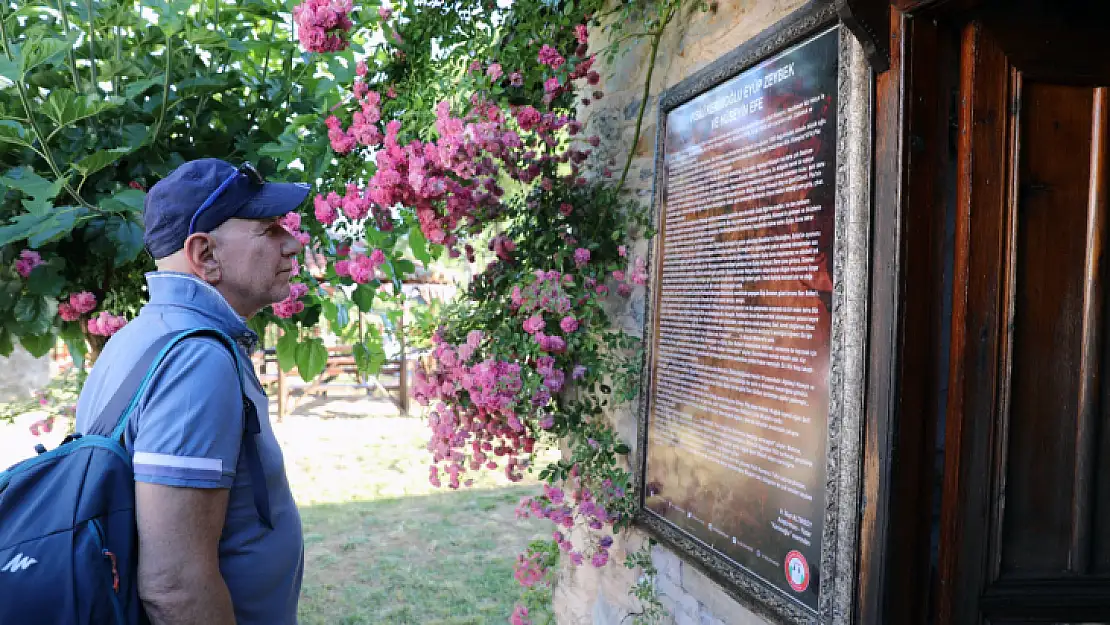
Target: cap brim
<point>274,199</point>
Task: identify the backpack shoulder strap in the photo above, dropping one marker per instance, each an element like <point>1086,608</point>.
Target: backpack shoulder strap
<point>124,400</point>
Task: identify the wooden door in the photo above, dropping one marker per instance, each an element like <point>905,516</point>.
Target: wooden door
<point>1025,524</point>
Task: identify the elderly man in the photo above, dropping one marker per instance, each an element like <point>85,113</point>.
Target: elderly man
<point>206,554</point>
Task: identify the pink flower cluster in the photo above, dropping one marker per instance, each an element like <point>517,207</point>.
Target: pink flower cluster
<point>636,275</point>
<point>565,510</point>
<point>27,262</point>
<point>451,183</point>
<point>106,324</point>
<point>529,569</point>
<point>322,25</point>
<point>292,305</point>
<point>550,56</point>
<point>477,412</point>
<point>78,304</point>
<point>520,616</point>
<point>364,127</point>
<point>292,223</point>
<point>546,295</point>
<point>360,268</point>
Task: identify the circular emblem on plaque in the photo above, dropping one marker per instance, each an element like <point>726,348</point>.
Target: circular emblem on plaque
<point>797,571</point>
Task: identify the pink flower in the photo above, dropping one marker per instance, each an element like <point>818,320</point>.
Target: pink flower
<point>624,290</point>
<point>566,209</point>
<point>550,56</point>
<point>578,373</point>
<point>520,616</point>
<point>494,71</point>
<point>385,13</point>
<point>600,558</point>
<point>343,268</point>
<point>27,262</point>
<point>291,305</point>
<point>581,257</point>
<point>593,78</point>
<point>551,85</point>
<point>582,34</point>
<point>67,312</point>
<point>516,79</point>
<point>83,302</point>
<point>106,324</point>
<point>622,251</point>
<point>325,212</point>
<point>568,324</point>
<point>322,25</point>
<point>547,422</point>
<point>533,324</point>
<point>618,275</point>
<point>475,66</point>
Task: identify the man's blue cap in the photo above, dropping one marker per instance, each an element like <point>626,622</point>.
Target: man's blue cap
<point>173,201</point>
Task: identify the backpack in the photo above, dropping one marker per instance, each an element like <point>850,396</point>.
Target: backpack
<point>68,538</point>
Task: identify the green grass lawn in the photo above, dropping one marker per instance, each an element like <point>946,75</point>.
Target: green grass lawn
<point>384,546</point>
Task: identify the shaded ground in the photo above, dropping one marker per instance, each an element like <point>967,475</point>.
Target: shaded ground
<point>381,544</point>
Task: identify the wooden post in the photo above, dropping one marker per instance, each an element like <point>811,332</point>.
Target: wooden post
<point>281,393</point>
<point>404,369</point>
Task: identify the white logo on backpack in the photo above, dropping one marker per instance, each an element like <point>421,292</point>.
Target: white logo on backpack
<point>18,563</point>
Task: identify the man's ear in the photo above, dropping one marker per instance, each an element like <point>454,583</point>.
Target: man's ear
<point>200,254</point>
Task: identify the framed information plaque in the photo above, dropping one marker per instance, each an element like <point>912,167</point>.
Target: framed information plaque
<point>735,430</point>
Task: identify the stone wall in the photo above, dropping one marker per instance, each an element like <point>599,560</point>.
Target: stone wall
<point>584,595</point>
<point>22,374</point>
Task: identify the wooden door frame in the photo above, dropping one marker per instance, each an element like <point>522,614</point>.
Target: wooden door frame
<point>905,354</point>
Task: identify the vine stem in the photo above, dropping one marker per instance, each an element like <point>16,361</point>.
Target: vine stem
<point>265,73</point>
<point>165,88</point>
<point>25,100</point>
<point>69,53</point>
<point>655,39</point>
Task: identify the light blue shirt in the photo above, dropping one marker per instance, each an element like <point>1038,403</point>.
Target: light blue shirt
<point>187,431</point>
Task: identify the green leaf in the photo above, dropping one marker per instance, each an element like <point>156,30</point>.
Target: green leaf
<point>9,294</point>
<point>419,245</point>
<point>38,345</point>
<point>46,280</point>
<point>6,346</point>
<point>622,449</point>
<point>40,229</point>
<point>65,107</point>
<point>363,297</point>
<point>34,314</point>
<point>404,267</point>
<point>12,131</point>
<point>41,190</point>
<point>336,314</point>
<point>57,226</point>
<point>128,237</point>
<point>126,201</point>
<point>99,160</point>
<point>287,351</point>
<point>40,50</point>
<point>369,358</point>
<point>312,358</point>
<point>78,349</point>
<point>10,70</point>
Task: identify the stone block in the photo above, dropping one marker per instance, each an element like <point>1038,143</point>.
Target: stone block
<point>608,613</point>
<point>715,600</point>
<point>667,563</point>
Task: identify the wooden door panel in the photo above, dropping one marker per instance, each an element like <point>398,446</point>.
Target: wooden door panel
<point>1025,513</point>
<point>1041,416</point>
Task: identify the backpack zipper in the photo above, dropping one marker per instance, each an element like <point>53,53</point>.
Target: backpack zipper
<point>98,536</point>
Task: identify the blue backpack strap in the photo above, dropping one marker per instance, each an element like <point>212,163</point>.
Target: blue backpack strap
<point>125,399</point>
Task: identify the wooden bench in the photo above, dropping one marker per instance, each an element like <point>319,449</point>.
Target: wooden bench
<point>340,371</point>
